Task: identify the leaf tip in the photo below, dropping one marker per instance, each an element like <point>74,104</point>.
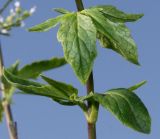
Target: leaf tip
<point>30,29</point>
<point>42,76</point>
<point>141,15</point>
<point>61,10</point>
<point>147,129</point>
<point>137,17</point>
<point>136,62</point>
<point>132,88</point>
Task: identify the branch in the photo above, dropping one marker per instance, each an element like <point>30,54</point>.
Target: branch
<point>12,126</point>
<point>5,6</point>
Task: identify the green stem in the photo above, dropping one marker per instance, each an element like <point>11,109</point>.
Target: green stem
<point>11,125</point>
<point>92,109</point>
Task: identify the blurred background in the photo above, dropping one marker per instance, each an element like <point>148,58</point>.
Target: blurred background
<point>40,118</point>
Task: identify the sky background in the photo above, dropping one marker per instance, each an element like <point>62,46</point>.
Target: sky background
<point>40,118</point>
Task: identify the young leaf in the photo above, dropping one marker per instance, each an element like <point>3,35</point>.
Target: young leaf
<point>126,107</point>
<point>47,25</point>
<point>61,10</point>
<point>132,88</point>
<point>65,103</point>
<point>1,111</point>
<point>115,15</point>
<point>67,89</point>
<point>14,68</point>
<point>84,98</point>
<point>117,35</point>
<point>77,34</point>
<point>8,88</point>
<point>34,88</point>
<point>33,70</point>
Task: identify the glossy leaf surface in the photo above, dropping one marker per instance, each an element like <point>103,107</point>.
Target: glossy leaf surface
<point>127,107</point>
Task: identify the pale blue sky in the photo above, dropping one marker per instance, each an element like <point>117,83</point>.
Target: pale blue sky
<point>40,118</point>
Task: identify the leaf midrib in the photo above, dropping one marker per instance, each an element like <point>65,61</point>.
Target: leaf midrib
<point>130,107</point>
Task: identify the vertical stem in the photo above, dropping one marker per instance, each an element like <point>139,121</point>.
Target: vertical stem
<point>11,125</point>
<point>79,5</point>
<point>91,126</point>
<point>92,107</point>
<point>5,6</point>
<point>90,86</point>
<point>91,131</point>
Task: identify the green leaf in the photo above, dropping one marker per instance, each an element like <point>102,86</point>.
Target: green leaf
<point>66,88</point>
<point>47,25</point>
<point>61,10</point>
<point>115,15</point>
<point>14,68</point>
<point>128,52</point>
<point>84,98</point>
<point>8,88</point>
<point>126,107</point>
<point>115,36</point>
<point>77,34</point>
<point>1,111</point>
<point>132,88</point>
<point>36,68</point>
<point>34,88</point>
<point>65,103</point>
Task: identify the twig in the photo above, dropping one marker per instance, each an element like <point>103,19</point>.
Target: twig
<point>5,6</point>
<point>11,125</point>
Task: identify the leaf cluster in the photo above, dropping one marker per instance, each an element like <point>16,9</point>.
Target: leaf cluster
<point>79,30</point>
<point>78,33</point>
<point>123,103</point>
<point>30,71</point>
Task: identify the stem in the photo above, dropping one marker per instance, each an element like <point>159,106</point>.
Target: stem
<point>91,131</point>
<point>92,109</point>
<point>5,6</point>
<point>79,5</point>
<point>11,125</point>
